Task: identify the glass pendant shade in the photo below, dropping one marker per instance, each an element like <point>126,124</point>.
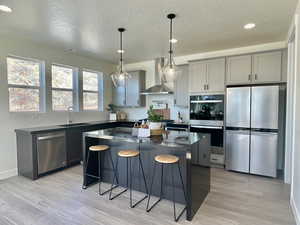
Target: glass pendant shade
<point>119,77</point>
<point>170,71</point>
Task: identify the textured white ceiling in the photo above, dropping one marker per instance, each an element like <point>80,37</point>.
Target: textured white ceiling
<point>90,26</point>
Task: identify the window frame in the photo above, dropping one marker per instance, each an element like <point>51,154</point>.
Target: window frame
<point>41,87</point>
<point>100,91</point>
<point>74,89</point>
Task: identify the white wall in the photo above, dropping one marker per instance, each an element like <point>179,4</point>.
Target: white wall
<point>148,66</point>
<point>295,183</point>
<point>11,121</point>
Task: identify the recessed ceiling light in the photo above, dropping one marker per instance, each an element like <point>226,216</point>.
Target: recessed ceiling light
<point>5,8</point>
<point>121,51</point>
<point>173,40</point>
<point>249,26</point>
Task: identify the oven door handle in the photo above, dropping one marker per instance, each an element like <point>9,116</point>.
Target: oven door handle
<point>208,127</point>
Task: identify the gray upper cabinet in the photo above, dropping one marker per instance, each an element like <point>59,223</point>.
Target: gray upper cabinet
<point>216,75</point>
<point>207,76</point>
<point>239,69</point>
<point>256,68</point>
<point>129,95</point>
<point>197,77</point>
<point>267,67</point>
<point>181,85</point>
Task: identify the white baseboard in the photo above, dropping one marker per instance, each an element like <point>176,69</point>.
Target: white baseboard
<point>295,211</point>
<point>8,173</point>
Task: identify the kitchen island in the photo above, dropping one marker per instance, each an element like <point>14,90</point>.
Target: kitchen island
<point>187,146</point>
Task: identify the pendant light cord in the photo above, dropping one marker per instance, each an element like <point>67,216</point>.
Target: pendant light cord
<point>171,45</point>
<point>121,52</point>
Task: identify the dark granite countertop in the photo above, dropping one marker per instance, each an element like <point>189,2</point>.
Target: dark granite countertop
<point>171,139</point>
<point>62,127</point>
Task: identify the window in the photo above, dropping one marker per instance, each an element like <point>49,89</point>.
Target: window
<point>62,87</point>
<point>24,84</point>
<point>92,84</point>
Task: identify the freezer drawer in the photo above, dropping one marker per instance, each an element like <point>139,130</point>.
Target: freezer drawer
<point>264,107</point>
<point>238,107</point>
<point>237,150</point>
<point>51,151</point>
<point>263,154</point>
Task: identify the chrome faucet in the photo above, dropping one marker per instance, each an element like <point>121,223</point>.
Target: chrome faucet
<point>70,109</point>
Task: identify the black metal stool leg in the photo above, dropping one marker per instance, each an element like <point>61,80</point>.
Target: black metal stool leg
<point>85,168</point>
<point>116,177</point>
<point>114,171</point>
<point>180,214</point>
<point>99,171</point>
<point>144,178</point>
<point>161,188</point>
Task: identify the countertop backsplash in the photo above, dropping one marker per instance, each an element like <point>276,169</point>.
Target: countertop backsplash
<point>141,113</point>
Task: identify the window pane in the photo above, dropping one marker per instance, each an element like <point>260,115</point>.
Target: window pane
<point>61,100</point>
<point>90,101</point>
<point>23,99</point>
<point>62,77</point>
<point>90,81</point>
<point>23,72</point>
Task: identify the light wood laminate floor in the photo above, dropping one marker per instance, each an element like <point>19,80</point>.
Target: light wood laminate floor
<point>57,199</point>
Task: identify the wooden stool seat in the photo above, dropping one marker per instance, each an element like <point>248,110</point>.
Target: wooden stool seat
<point>166,159</point>
<point>128,153</point>
<point>98,148</point>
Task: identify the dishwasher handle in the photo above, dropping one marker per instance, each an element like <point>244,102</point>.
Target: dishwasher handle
<point>50,137</point>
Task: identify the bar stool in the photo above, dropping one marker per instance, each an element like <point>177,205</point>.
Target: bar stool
<point>129,155</point>
<point>99,149</point>
<point>171,160</point>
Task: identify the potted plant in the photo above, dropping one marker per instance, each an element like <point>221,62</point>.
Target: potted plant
<point>154,119</point>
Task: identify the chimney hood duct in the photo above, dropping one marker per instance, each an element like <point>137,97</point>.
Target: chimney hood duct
<point>159,88</point>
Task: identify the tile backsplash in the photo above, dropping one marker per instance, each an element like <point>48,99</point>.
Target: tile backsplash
<point>141,113</point>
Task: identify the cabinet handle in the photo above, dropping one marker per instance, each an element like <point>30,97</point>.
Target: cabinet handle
<point>207,86</point>
<point>249,77</point>
<point>255,76</point>
<point>204,86</point>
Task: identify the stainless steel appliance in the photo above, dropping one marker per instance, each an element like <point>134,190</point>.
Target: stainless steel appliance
<point>206,116</point>
<point>252,126</point>
<point>207,110</point>
<point>51,151</point>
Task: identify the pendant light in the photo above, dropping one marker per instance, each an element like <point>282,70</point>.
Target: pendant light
<point>169,71</point>
<point>120,75</point>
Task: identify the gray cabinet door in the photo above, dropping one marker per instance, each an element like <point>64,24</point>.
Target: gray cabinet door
<point>264,107</point>
<point>238,69</point>
<point>237,150</point>
<point>216,75</point>
<point>197,77</point>
<point>133,90</point>
<point>204,150</point>
<point>267,67</point>
<point>129,93</point>
<point>238,107</point>
<point>119,95</point>
<point>181,85</point>
<point>263,153</point>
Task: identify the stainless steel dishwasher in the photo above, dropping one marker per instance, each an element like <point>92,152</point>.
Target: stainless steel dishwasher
<point>51,151</point>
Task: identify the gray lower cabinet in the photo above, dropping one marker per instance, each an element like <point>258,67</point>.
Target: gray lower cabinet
<point>181,85</point>
<point>129,94</point>
<point>201,151</point>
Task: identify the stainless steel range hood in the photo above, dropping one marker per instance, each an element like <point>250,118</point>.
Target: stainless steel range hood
<point>159,88</point>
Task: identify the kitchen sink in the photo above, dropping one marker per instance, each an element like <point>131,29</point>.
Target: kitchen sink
<point>72,124</point>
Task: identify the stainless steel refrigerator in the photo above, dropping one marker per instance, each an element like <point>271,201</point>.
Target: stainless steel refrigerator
<point>251,136</point>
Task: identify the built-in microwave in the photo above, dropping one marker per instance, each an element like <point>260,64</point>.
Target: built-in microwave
<point>207,110</point>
